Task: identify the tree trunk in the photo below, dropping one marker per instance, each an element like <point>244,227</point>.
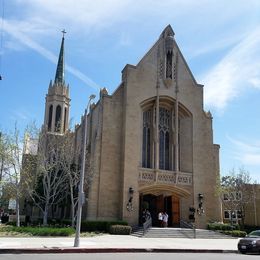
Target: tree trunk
<point>72,212</point>
<point>72,205</point>
<point>45,215</point>
<point>17,212</point>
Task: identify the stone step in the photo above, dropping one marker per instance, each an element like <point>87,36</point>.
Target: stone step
<point>179,233</point>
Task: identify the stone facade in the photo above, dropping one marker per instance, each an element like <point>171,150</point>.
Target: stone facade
<point>151,143</point>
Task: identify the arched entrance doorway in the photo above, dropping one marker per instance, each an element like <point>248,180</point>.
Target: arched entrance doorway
<point>162,198</point>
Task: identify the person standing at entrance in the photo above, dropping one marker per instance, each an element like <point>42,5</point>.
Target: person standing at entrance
<point>165,219</point>
<point>144,216</point>
<point>160,218</point>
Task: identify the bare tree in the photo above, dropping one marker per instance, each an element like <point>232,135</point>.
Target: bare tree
<point>4,197</point>
<point>70,156</point>
<point>13,168</point>
<point>56,177</point>
<point>49,185</point>
<point>71,163</point>
<point>3,154</point>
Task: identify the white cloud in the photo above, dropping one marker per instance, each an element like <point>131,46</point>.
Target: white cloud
<point>251,159</point>
<point>78,15</point>
<point>255,82</point>
<point>125,39</point>
<point>239,69</point>
<point>83,77</point>
<point>216,45</point>
<point>246,151</point>
<point>20,114</point>
<point>14,31</point>
<point>224,82</point>
<point>24,39</point>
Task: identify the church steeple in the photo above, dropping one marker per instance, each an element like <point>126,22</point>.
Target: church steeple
<point>59,77</point>
<point>57,104</point>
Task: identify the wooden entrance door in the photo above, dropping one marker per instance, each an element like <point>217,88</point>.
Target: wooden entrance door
<point>159,208</point>
<point>175,211</point>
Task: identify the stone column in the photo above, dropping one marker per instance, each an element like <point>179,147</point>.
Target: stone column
<point>177,167</point>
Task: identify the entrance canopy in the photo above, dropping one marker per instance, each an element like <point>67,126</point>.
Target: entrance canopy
<point>164,189</point>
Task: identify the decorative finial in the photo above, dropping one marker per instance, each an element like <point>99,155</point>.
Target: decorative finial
<point>63,32</point>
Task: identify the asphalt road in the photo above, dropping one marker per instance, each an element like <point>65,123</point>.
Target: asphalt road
<point>126,256</point>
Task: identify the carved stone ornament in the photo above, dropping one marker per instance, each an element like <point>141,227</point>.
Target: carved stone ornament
<point>167,82</point>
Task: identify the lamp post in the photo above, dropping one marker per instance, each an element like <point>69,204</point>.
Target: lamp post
<point>82,172</point>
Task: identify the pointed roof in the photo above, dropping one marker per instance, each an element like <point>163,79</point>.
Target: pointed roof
<point>59,77</point>
<point>168,31</point>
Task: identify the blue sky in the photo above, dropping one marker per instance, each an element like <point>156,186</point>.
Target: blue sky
<point>220,41</point>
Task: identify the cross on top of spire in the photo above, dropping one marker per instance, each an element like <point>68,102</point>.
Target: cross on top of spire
<point>63,32</point>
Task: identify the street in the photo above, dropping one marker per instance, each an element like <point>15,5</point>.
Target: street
<point>125,256</point>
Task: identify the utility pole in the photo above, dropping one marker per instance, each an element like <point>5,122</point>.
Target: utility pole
<point>82,172</point>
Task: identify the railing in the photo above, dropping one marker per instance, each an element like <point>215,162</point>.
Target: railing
<point>147,224</point>
<point>150,176</point>
<point>184,224</point>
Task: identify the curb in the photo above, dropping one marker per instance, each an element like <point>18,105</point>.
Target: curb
<point>56,250</point>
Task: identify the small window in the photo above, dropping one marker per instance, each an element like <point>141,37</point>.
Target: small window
<point>239,214</point>
<point>227,214</point>
<point>234,214</point>
<point>225,197</point>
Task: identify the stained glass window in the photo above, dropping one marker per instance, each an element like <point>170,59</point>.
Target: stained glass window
<point>146,151</point>
<point>164,143</point>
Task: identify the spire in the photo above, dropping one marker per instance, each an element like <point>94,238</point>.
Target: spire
<point>59,77</point>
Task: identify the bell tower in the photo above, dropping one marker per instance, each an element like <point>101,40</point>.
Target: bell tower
<point>57,101</point>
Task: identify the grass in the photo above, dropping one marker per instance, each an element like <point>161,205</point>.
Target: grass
<point>13,231</point>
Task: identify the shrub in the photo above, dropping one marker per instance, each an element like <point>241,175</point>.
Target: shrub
<point>11,223</point>
<point>65,222</point>
<point>220,226</point>
<point>36,222</point>
<point>120,230</point>
<point>234,233</point>
<point>99,226</point>
<point>41,231</point>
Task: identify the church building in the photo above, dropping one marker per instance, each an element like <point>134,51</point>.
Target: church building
<point>150,142</point>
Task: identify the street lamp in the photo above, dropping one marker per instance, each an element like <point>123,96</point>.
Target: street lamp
<point>81,182</point>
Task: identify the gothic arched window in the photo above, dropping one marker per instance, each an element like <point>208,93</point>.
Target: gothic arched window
<point>164,135</point>
<point>50,117</point>
<point>146,149</point>
<point>169,65</point>
<point>58,118</point>
<point>65,117</point>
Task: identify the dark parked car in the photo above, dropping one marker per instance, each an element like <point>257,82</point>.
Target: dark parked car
<point>251,243</point>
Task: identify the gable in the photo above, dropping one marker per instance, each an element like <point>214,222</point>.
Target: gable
<point>165,49</point>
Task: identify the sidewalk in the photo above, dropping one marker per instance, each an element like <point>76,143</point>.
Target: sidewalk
<point>115,243</point>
